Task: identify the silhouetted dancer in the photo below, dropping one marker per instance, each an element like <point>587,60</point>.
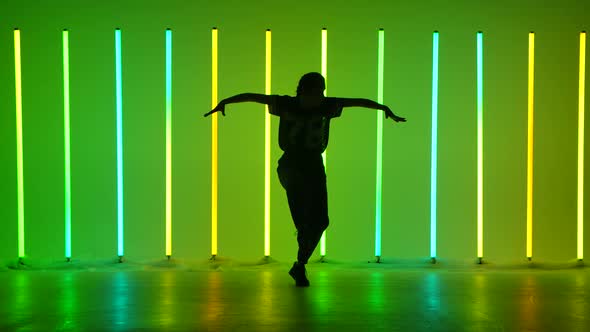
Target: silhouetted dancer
<point>303,136</point>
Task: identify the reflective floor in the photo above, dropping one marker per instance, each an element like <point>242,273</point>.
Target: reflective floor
<point>373,297</point>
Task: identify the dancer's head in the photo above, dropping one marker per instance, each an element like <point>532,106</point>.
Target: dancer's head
<point>312,84</point>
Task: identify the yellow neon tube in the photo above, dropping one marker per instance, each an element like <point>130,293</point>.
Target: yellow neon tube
<point>529,189</point>
<point>19,144</point>
<point>214,82</point>
<point>581,145</point>
<point>267,149</point>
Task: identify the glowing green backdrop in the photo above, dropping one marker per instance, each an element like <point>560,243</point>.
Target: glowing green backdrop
<point>352,72</point>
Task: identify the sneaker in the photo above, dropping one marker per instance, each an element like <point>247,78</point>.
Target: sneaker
<point>298,274</point>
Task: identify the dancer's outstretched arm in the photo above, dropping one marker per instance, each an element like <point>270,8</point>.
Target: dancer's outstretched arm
<point>240,98</point>
<point>367,103</point>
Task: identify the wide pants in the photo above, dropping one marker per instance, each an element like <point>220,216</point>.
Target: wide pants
<point>304,180</point>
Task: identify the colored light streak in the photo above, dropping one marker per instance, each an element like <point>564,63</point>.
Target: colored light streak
<point>480,145</point>
<point>531,90</point>
<point>324,72</point>
<point>582,78</point>
<point>267,147</point>
<point>168,142</point>
<point>434,145</point>
<point>378,180</point>
<point>67,168</point>
<point>214,159</point>
<point>119,109</point>
<point>19,145</point>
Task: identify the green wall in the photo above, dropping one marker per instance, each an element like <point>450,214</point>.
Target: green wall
<point>352,62</point>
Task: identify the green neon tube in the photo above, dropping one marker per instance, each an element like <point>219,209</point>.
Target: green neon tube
<point>434,145</point>
<point>480,145</point>
<point>581,96</point>
<point>68,183</point>
<point>267,139</point>
<point>378,180</point>
<point>19,145</point>
<point>324,155</point>
<point>119,105</point>
<point>168,142</point>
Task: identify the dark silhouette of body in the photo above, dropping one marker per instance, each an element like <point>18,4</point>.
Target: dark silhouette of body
<point>303,136</point>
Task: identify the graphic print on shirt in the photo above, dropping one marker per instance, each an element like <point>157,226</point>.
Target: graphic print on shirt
<point>304,132</point>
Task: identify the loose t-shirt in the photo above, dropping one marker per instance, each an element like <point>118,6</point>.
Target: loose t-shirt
<point>304,131</point>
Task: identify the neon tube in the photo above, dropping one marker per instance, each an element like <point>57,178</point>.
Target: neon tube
<point>434,145</point>
<point>19,144</point>
<point>324,155</point>
<point>67,168</point>
<point>529,201</point>
<point>214,78</point>
<point>168,142</point>
<point>378,180</point>
<point>581,145</point>
<point>480,145</point>
<point>119,103</point>
<point>267,148</point>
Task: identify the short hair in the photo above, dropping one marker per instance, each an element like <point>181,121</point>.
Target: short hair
<point>310,81</point>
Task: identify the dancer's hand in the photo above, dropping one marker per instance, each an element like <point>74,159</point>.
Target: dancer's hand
<point>389,114</point>
<point>219,108</point>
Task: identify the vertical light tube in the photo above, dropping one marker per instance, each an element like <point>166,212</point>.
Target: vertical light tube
<point>434,145</point>
<point>168,142</point>
<point>324,155</point>
<point>581,96</point>
<point>67,168</point>
<point>480,145</point>
<point>378,179</point>
<point>214,82</point>
<point>119,105</point>
<point>267,147</point>
<point>19,145</point>
<point>530,125</point>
